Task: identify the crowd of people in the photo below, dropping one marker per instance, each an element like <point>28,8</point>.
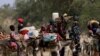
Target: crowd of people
<point>56,31</point>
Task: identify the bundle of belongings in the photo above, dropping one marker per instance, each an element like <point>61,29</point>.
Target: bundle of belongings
<point>50,40</point>
<point>29,32</point>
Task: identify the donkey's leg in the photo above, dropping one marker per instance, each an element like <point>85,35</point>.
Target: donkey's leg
<point>18,52</point>
<point>8,52</point>
<point>18,49</point>
<point>34,53</point>
<point>27,51</point>
<point>62,51</point>
<point>41,51</point>
<point>4,51</point>
<point>55,53</point>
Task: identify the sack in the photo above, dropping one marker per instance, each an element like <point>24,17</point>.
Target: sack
<point>25,30</point>
<point>33,33</point>
<point>50,40</point>
<point>30,34</point>
<point>48,37</point>
<point>52,43</point>
<point>26,37</point>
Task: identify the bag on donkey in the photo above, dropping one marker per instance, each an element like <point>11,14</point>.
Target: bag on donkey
<point>50,39</point>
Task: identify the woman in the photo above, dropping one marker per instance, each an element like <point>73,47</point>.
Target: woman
<point>21,24</point>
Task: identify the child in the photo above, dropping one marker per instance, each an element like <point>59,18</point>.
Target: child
<point>12,41</point>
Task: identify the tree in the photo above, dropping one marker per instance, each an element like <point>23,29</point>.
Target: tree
<point>40,9</point>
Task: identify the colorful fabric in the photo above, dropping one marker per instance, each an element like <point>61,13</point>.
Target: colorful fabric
<point>49,37</point>
<point>13,45</point>
<point>20,20</point>
<point>23,32</point>
<point>33,33</point>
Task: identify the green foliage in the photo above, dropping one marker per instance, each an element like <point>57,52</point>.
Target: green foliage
<point>35,11</point>
<point>89,11</point>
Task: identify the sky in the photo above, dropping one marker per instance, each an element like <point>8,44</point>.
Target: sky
<point>2,2</point>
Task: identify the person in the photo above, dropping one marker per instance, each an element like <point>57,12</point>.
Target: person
<point>43,30</point>
<point>21,24</point>
<point>13,42</point>
<point>51,27</point>
<point>12,33</point>
<point>93,27</point>
<point>75,29</point>
<point>75,36</point>
<point>60,26</point>
<point>46,29</point>
<point>50,31</point>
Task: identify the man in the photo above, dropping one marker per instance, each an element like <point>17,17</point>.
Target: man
<point>75,36</point>
<point>75,29</point>
<point>61,27</point>
<point>93,27</point>
<point>61,30</point>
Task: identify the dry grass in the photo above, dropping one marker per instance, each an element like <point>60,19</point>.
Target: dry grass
<point>5,23</point>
